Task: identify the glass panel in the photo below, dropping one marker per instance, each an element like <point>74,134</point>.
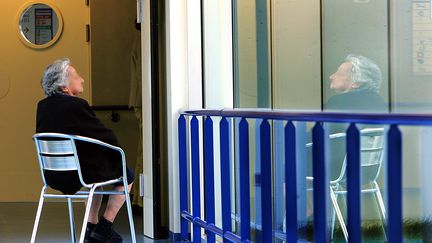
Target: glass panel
<point>254,173</point>
<point>355,79</point>
<point>252,85</point>
<point>335,55</point>
<point>412,56</point>
<point>296,51</point>
<point>251,54</point>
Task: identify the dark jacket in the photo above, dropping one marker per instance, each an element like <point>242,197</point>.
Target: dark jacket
<point>72,115</point>
<point>355,101</point>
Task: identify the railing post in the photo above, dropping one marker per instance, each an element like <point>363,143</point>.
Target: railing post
<point>196,195</point>
<point>225,176</point>
<point>320,184</point>
<point>209,176</point>
<point>244,181</point>
<point>290,183</point>
<point>184,231</point>
<point>353,183</point>
<point>394,183</point>
<point>266,182</point>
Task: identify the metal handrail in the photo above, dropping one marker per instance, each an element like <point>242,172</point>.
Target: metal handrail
<point>315,116</point>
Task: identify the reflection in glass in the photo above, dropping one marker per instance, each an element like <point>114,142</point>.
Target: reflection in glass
<point>252,82</point>
<point>39,24</point>
<point>357,82</point>
<point>312,67</point>
<point>296,54</point>
<point>359,27</point>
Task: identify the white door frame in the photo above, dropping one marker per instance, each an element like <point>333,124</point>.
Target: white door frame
<point>147,176</point>
<point>185,74</point>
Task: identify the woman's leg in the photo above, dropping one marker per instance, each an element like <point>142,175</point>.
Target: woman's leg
<point>115,202</point>
<point>94,209</point>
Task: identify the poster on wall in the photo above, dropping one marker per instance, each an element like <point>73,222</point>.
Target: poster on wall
<point>422,37</point>
<point>43,25</point>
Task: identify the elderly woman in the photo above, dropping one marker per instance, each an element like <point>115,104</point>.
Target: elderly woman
<point>63,112</point>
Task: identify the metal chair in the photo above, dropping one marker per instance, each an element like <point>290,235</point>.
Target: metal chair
<point>372,155</point>
<point>57,152</point>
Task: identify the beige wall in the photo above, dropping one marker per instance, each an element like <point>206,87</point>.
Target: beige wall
<point>20,71</point>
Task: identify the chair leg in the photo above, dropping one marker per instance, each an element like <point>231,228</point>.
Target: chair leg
<point>38,215</point>
<point>86,214</point>
<point>380,201</point>
<point>339,214</point>
<point>71,220</point>
<point>333,221</point>
<point>130,216</point>
<point>381,208</point>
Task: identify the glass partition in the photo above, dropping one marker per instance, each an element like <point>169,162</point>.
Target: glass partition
<point>296,54</point>
<point>350,56</point>
<point>355,55</point>
<point>411,53</point>
<point>251,43</point>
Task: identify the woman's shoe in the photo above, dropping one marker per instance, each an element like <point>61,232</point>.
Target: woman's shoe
<point>89,229</point>
<point>104,232</point>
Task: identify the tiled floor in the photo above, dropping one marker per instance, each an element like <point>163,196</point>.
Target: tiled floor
<point>16,223</point>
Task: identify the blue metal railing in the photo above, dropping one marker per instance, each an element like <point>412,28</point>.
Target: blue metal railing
<point>320,182</point>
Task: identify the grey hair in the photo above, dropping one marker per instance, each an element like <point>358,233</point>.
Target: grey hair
<point>365,72</point>
<point>55,77</point>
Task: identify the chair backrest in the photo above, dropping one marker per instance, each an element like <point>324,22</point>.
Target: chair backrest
<point>371,155</point>
<point>57,155</point>
<point>56,152</point>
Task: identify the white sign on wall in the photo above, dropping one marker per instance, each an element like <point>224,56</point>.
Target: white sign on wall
<point>422,37</point>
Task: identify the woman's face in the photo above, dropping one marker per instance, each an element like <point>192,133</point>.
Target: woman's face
<point>75,86</point>
<point>341,80</point>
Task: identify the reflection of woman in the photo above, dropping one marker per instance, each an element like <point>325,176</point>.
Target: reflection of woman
<point>358,81</point>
